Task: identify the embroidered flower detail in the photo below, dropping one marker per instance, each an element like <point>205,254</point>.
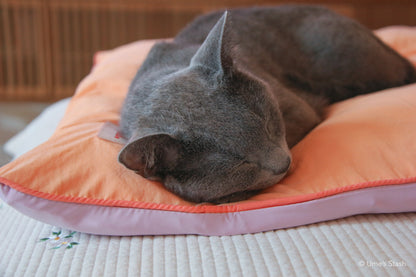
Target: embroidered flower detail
<point>59,239</point>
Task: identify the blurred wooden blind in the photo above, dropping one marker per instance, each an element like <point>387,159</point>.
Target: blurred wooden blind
<point>46,46</point>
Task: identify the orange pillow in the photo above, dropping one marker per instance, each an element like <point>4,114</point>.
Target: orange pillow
<point>365,151</point>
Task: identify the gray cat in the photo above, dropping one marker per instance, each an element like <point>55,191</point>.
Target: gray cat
<point>213,113</point>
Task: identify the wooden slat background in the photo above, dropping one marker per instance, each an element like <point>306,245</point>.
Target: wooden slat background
<point>46,46</point>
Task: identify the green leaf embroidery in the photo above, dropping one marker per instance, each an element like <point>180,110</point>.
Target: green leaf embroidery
<point>61,241</point>
<point>70,235</point>
<point>57,233</point>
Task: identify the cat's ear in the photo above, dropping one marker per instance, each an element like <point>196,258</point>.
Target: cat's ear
<point>151,156</point>
<point>214,53</point>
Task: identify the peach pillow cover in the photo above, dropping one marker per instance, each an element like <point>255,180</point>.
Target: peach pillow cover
<point>364,142</point>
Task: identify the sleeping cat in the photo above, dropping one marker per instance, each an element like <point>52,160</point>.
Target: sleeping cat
<point>213,113</point>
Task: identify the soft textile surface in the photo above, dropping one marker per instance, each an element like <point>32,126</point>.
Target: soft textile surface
<point>38,131</point>
<point>369,245</point>
<point>351,150</point>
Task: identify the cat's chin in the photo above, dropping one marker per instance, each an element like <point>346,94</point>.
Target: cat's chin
<point>234,197</point>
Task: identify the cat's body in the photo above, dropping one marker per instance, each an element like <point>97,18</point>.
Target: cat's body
<point>214,112</point>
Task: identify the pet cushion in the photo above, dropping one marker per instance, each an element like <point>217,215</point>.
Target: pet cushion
<point>38,131</point>
<point>360,159</point>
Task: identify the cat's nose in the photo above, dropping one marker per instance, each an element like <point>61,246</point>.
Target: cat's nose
<point>277,160</point>
<point>284,165</point>
<point>274,159</point>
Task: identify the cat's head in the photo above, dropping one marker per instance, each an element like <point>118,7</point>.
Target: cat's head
<point>210,133</point>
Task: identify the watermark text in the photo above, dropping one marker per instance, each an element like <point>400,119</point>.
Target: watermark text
<point>386,263</point>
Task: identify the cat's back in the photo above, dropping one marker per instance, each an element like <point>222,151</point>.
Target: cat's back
<point>305,46</point>
<point>267,19</point>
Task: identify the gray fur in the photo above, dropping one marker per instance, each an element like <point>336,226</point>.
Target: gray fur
<point>214,113</point>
